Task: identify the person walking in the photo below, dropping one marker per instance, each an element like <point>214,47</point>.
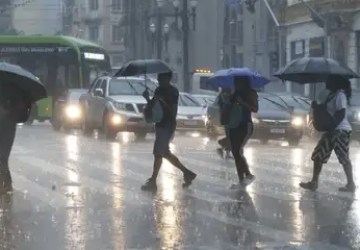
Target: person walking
<point>247,99</point>
<point>14,108</point>
<point>223,102</point>
<point>338,138</point>
<point>168,96</point>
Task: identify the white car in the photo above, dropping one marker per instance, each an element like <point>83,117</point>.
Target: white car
<point>115,104</point>
<point>191,114</point>
<point>205,100</point>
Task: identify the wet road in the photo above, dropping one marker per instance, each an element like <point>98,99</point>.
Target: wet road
<point>75,192</point>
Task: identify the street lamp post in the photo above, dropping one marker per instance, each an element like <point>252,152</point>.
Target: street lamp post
<point>184,15</point>
<point>160,4</point>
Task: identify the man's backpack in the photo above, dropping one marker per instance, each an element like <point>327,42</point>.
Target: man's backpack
<point>322,119</point>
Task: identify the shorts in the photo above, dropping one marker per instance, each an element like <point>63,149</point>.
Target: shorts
<point>339,141</point>
<point>163,136</point>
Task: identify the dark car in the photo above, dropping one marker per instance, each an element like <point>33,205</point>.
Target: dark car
<point>274,121</point>
<point>67,111</point>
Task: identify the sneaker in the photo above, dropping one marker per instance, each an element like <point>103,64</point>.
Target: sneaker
<point>228,156</point>
<point>248,180</point>
<point>239,185</point>
<point>350,188</point>
<point>189,177</point>
<point>149,185</point>
<point>220,152</point>
<point>312,186</point>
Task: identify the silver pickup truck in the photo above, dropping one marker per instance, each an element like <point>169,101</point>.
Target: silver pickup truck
<point>115,104</point>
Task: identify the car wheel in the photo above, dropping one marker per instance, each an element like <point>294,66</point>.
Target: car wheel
<point>294,142</point>
<point>109,132</point>
<point>140,135</point>
<point>85,127</point>
<point>56,125</point>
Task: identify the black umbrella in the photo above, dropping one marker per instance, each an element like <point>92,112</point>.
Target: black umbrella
<point>313,70</point>
<point>23,79</point>
<point>143,67</point>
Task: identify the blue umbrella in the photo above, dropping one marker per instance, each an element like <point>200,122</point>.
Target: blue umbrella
<point>225,78</point>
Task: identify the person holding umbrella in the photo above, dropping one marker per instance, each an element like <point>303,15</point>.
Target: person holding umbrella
<point>14,108</point>
<point>168,97</point>
<point>18,90</point>
<point>240,131</point>
<point>336,138</point>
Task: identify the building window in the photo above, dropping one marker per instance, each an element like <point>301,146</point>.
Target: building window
<point>297,49</point>
<point>94,4</point>
<point>116,33</point>
<point>117,5</point>
<point>94,33</point>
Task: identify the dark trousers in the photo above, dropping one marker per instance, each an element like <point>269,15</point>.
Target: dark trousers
<point>7,135</point>
<point>225,142</point>
<point>238,139</point>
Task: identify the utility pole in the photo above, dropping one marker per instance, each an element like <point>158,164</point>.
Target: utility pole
<point>159,33</point>
<point>185,28</point>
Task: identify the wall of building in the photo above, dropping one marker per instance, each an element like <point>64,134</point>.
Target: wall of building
<point>39,17</point>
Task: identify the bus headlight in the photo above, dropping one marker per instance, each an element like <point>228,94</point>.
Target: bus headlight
<point>255,120</point>
<point>297,121</point>
<point>73,112</point>
<point>116,119</point>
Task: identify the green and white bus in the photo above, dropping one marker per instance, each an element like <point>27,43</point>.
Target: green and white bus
<point>60,62</point>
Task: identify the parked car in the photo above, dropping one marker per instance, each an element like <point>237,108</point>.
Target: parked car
<point>274,121</point>
<point>191,114</point>
<point>67,110</point>
<point>115,104</point>
<point>205,100</point>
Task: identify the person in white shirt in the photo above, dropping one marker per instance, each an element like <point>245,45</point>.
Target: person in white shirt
<point>338,139</point>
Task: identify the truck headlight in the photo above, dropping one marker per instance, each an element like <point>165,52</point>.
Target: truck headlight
<point>297,121</point>
<point>73,111</point>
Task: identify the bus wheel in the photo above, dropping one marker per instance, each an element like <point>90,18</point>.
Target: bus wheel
<point>32,116</point>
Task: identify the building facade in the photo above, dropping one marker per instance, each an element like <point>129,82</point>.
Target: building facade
<point>336,37</point>
<point>100,21</point>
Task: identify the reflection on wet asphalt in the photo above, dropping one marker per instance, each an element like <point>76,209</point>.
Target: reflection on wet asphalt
<point>76,192</point>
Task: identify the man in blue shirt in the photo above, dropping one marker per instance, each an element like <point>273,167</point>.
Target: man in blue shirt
<point>168,96</point>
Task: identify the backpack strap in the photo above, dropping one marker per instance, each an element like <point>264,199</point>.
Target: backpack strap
<point>329,98</point>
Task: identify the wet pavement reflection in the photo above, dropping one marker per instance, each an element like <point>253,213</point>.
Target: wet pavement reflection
<point>77,192</point>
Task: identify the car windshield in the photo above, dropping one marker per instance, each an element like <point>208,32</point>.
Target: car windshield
<point>75,95</point>
<point>130,87</point>
<point>295,101</point>
<point>188,101</point>
<point>268,104</point>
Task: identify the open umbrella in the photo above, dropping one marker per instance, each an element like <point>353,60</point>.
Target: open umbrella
<point>143,67</point>
<point>23,79</point>
<point>313,70</point>
<point>225,78</point>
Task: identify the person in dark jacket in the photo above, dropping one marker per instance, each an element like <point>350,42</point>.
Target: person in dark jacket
<point>14,108</point>
<point>247,98</point>
<point>224,99</point>
<point>168,96</point>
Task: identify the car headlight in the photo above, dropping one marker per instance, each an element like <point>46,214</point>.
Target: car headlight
<point>120,105</point>
<point>357,116</point>
<point>255,120</point>
<point>205,118</point>
<point>73,111</point>
<point>297,121</point>
<point>116,119</point>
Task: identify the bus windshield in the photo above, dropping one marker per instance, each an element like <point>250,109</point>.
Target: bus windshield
<point>94,65</point>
